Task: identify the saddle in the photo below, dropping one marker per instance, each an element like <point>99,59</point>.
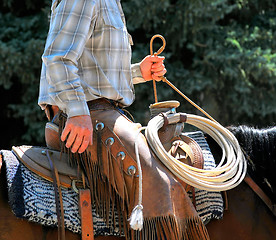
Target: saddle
<point>53,166</point>
<point>36,160</point>
<point>109,170</point>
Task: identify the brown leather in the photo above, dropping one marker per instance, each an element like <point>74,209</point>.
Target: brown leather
<point>103,104</point>
<point>117,177</point>
<point>36,160</point>
<point>251,183</point>
<point>183,117</point>
<point>168,211</point>
<point>178,144</point>
<point>52,136</point>
<point>86,214</point>
<point>183,148</point>
<point>166,122</point>
<point>48,112</point>
<point>165,200</point>
<point>167,133</point>
<point>187,150</point>
<point>58,198</point>
<point>52,128</point>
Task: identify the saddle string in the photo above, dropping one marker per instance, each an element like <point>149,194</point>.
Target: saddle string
<point>136,217</point>
<point>58,198</point>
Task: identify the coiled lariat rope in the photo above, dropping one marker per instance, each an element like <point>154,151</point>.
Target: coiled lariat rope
<point>232,167</point>
<point>226,175</point>
<point>229,172</point>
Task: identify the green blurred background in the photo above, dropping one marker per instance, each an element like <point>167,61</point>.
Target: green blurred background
<point>220,53</point>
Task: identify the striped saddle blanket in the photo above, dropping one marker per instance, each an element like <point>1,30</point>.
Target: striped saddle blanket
<point>32,198</point>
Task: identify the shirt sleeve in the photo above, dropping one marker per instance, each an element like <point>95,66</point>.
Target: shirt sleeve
<point>136,74</point>
<point>71,26</point>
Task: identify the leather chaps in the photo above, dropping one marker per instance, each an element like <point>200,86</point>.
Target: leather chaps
<point>111,174</point>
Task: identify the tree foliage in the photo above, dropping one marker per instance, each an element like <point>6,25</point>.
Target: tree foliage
<point>220,53</point>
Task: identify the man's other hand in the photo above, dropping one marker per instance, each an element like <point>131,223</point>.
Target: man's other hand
<point>78,131</point>
<point>152,67</point>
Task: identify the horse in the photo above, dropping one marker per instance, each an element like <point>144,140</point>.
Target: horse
<point>246,217</point>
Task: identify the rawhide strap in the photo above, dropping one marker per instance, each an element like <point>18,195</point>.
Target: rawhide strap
<point>86,214</point>
<point>58,198</point>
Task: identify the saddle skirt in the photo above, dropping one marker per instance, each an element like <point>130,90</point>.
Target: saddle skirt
<point>35,159</point>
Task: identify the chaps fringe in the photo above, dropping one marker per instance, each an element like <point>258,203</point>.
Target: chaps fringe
<point>169,228</point>
<point>110,204</point>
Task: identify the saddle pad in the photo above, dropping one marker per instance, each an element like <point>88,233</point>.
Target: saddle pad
<point>209,205</point>
<point>31,197</point>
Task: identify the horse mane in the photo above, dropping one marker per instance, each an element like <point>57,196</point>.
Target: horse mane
<point>260,148</point>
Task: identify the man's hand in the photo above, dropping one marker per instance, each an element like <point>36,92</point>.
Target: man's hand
<point>78,131</point>
<point>152,67</point>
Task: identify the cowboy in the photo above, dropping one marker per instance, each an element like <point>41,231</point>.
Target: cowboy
<point>87,56</point>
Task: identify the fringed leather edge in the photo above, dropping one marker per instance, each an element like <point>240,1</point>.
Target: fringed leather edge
<point>168,227</point>
<point>195,229</point>
<point>106,198</point>
<point>103,195</point>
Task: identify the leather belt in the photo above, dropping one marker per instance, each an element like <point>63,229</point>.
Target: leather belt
<point>103,104</point>
<point>97,104</point>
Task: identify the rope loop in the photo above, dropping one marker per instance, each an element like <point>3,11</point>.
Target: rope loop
<point>161,49</point>
<point>230,171</point>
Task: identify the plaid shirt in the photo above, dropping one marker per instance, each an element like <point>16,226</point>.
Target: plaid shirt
<point>87,56</point>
